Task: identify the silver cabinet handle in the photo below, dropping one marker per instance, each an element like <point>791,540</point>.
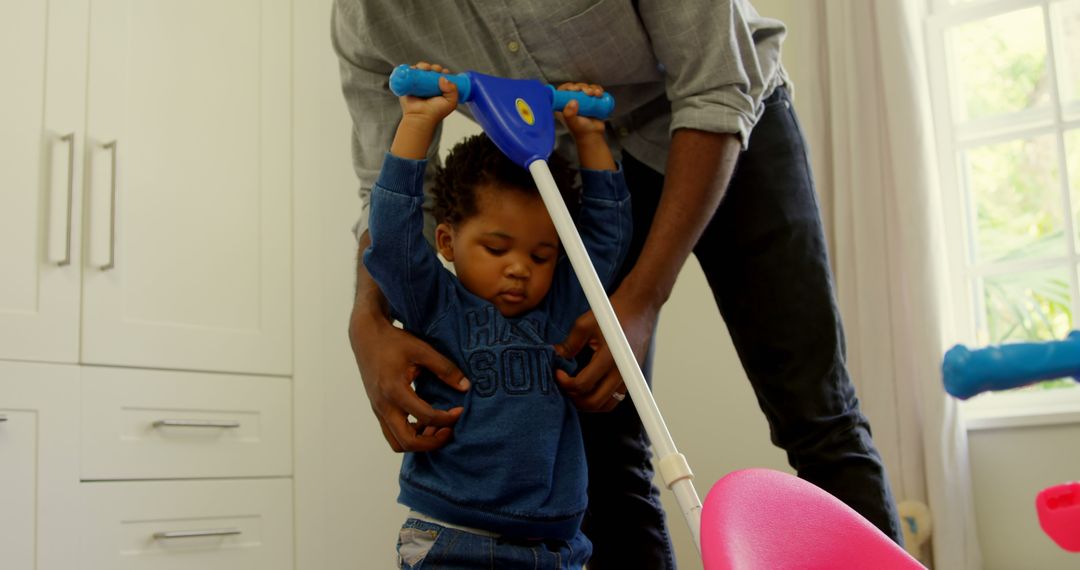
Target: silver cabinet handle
<point>196,533</point>
<point>66,259</point>
<point>3,419</point>
<point>111,147</point>
<point>196,424</point>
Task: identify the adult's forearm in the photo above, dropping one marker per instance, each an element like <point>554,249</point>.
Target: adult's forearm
<point>699,168</point>
<point>369,305</point>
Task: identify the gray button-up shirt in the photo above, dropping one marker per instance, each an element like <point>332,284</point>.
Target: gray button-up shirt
<point>700,64</point>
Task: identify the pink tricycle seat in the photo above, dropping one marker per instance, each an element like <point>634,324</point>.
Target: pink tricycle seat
<point>764,519</point>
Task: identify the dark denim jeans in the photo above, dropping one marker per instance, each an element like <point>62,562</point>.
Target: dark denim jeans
<point>423,544</point>
<point>765,259</point>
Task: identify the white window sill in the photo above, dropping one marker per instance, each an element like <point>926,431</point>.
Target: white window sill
<point>1022,409</point>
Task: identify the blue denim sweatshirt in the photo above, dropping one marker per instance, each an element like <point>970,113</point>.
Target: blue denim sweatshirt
<point>516,463</point>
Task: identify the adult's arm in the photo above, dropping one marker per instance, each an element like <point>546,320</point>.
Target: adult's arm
<point>699,168</point>
<point>388,358</point>
<point>720,59</point>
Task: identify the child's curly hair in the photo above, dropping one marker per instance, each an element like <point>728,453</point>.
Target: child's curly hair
<point>476,161</point>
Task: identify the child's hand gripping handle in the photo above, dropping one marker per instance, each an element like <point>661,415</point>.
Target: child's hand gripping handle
<point>971,372</point>
<point>588,106</point>
<point>407,80</point>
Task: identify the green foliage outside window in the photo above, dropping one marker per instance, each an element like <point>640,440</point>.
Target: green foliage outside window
<point>1017,198</point>
<point>1014,187</point>
<point>1002,64</point>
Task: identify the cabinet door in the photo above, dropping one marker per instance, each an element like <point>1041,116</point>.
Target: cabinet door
<point>42,61</point>
<point>39,466</point>
<point>188,146</point>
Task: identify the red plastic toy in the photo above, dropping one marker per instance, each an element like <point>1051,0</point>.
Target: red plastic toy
<point>1059,514</point>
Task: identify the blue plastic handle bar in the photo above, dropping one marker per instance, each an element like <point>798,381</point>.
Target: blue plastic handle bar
<point>588,106</point>
<point>1002,367</point>
<point>406,80</point>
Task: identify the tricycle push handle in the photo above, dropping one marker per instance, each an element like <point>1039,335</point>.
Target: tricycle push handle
<point>407,80</point>
<point>588,106</point>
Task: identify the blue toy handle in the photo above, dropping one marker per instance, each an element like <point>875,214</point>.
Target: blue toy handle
<point>406,80</point>
<point>588,106</point>
<point>971,372</point>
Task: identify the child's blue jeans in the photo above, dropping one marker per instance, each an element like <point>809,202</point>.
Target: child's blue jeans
<point>427,545</point>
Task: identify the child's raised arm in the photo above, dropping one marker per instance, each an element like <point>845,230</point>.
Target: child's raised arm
<point>399,259</point>
<point>421,117</point>
<point>593,150</point>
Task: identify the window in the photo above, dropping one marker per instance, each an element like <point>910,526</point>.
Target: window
<point>1005,82</point>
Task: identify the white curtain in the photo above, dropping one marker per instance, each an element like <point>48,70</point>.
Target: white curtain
<point>864,102</point>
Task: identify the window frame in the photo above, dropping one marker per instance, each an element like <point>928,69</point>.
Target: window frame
<point>1002,409</point>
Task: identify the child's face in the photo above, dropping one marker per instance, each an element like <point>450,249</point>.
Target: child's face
<point>506,253</point>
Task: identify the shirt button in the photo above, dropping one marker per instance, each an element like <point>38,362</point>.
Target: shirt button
<point>623,131</point>
<point>513,46</point>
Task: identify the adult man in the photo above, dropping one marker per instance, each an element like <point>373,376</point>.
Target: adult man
<point>702,114</point>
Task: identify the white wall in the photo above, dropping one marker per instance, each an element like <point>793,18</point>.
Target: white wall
<point>345,474</point>
<point>1009,468</point>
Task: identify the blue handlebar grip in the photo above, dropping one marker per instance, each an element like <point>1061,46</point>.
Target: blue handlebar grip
<point>588,106</point>
<point>970,372</point>
<point>406,80</point>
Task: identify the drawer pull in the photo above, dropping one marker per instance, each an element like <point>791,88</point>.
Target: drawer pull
<point>196,533</point>
<point>196,424</point>
<point>3,418</point>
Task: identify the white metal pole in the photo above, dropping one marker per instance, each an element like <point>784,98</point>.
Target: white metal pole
<point>671,464</point>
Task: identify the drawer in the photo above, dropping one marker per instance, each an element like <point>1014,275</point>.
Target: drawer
<point>236,524</point>
<point>151,424</point>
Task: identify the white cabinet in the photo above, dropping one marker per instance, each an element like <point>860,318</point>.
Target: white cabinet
<point>146,157</point>
<point>39,466</point>
<point>173,119</point>
<point>42,62</point>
